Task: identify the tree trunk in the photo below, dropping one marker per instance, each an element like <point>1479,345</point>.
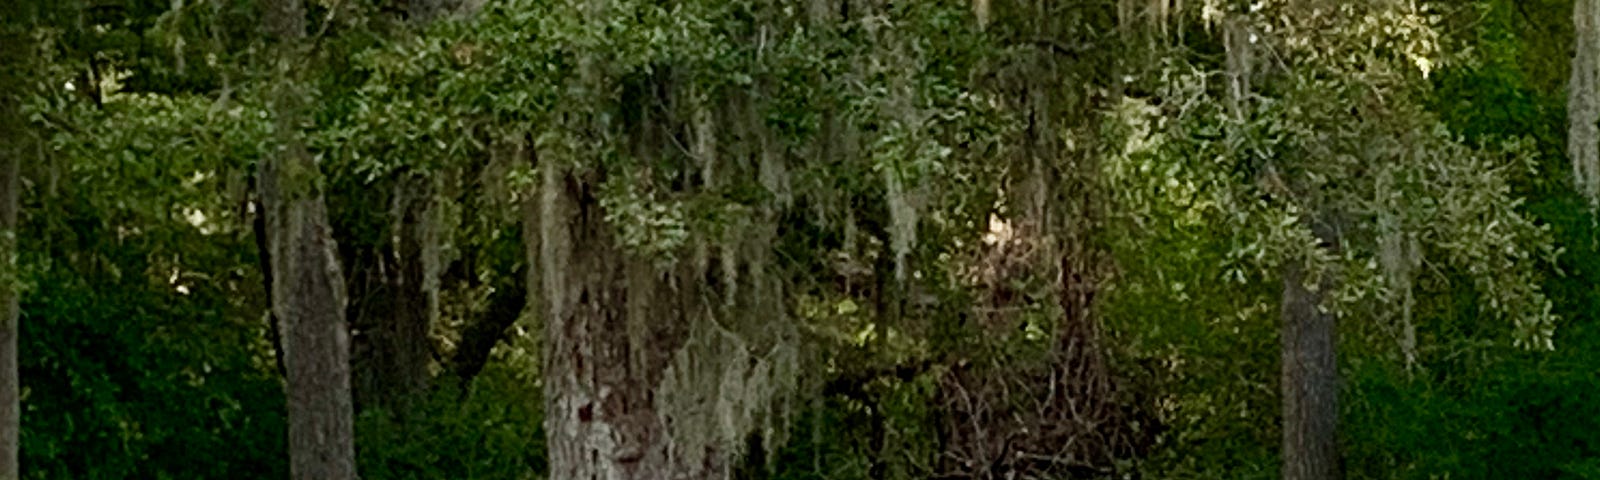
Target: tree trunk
<point>1583,100</point>
<point>480,337</point>
<point>511,294</point>
<point>308,287</point>
<point>398,304</point>
<point>419,291</point>
<point>600,361</point>
<point>11,133</point>
<point>394,291</point>
<point>372,285</point>
<point>1310,390</point>
<point>395,283</point>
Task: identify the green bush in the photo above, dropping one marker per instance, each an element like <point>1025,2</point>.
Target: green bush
<point>493,432</point>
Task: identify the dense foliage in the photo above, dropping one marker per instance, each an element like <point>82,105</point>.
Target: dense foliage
<point>850,238</point>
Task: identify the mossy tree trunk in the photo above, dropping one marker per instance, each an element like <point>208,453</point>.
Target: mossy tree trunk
<point>395,280</point>
<point>608,341</point>
<point>308,295</point>
<point>601,418</point>
<point>1583,100</point>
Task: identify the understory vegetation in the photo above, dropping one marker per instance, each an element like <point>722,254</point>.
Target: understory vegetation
<point>809,239</point>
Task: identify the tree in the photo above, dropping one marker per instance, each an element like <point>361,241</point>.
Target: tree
<point>667,338</point>
<point>395,271</point>
<point>828,239</point>
<point>1333,182</point>
<point>603,336</point>
<point>13,136</point>
<point>1583,100</point>
<point>308,287</point>
<point>1310,376</point>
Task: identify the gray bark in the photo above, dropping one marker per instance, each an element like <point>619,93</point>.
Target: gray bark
<point>601,360</point>
<point>1309,382</point>
<point>10,185</point>
<point>308,286</point>
<point>635,359</point>
<point>1241,59</point>
<point>612,320</point>
<point>1583,100</point>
